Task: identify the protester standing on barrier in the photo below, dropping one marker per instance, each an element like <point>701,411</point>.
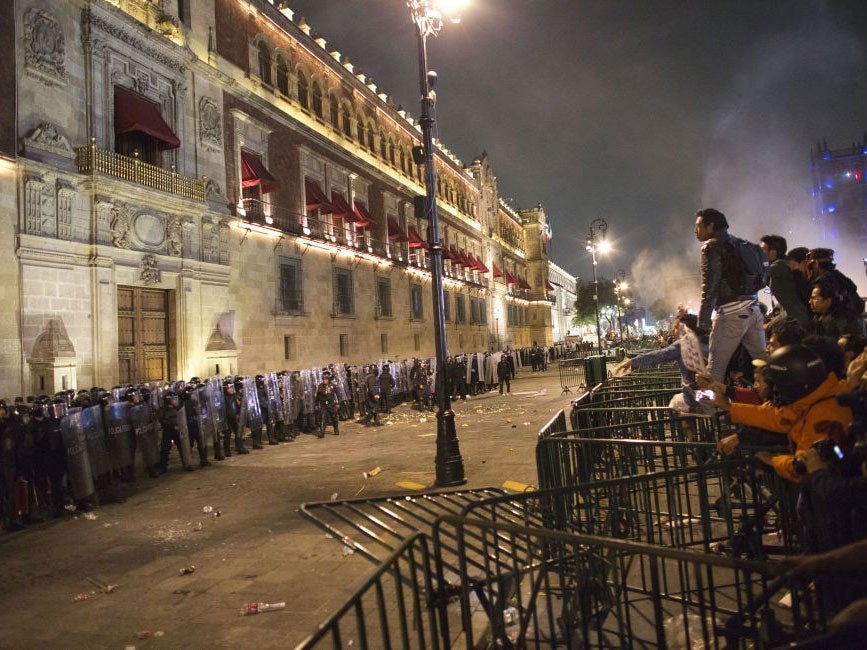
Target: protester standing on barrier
<point>732,273</point>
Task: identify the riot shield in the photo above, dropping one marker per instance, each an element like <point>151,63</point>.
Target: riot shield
<point>201,404</point>
<point>77,461</point>
<point>147,433</point>
<point>118,432</point>
<point>184,448</point>
<point>91,422</point>
<point>251,399</point>
<point>219,419</point>
<point>272,390</point>
<point>294,388</point>
<point>338,378</point>
<point>308,388</point>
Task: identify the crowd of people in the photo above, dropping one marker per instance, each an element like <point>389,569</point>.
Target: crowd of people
<point>791,378</point>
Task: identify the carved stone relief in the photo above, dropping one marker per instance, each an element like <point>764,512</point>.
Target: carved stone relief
<point>150,230</point>
<point>210,123</point>
<point>175,237</point>
<point>48,136</point>
<point>120,224</point>
<point>211,241</point>
<point>149,272</point>
<point>224,242</point>
<point>44,47</point>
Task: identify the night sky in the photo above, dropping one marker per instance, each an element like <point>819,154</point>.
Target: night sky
<point>640,112</point>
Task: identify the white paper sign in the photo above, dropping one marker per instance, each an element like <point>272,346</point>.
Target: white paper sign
<point>690,352</point>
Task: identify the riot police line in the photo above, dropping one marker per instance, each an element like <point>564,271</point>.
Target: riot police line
<point>81,447</point>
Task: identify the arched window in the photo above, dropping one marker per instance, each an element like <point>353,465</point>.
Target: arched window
<point>282,76</point>
<point>334,109</point>
<point>302,90</point>
<point>391,152</point>
<point>264,57</point>
<point>402,160</point>
<point>383,146</point>
<point>371,139</point>
<point>347,121</point>
<point>317,100</point>
<point>361,139</point>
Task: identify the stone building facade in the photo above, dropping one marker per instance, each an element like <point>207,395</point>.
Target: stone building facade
<point>563,294</point>
<point>198,188</point>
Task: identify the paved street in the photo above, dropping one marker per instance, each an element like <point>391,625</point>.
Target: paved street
<point>259,548</point>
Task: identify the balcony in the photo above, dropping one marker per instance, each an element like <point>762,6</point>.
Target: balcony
<point>91,160</point>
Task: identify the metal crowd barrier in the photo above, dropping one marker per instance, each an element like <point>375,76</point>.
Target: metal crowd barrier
<point>572,373</point>
<point>548,588</point>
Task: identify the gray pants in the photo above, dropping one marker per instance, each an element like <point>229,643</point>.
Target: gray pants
<point>731,328</point>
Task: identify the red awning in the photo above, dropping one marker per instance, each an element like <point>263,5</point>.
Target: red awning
<point>133,113</point>
<point>524,284</point>
<point>341,208</point>
<point>497,272</point>
<point>315,198</point>
<point>480,266</point>
<point>467,260</point>
<point>548,286</point>
<point>446,253</point>
<point>395,232</point>
<point>414,240</point>
<point>511,279</point>
<point>253,173</point>
<point>362,217</point>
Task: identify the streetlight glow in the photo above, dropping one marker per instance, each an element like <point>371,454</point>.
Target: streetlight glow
<point>451,9</point>
<point>604,246</point>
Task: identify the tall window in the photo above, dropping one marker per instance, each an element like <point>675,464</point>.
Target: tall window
<point>371,144</point>
<point>447,306</point>
<point>282,76</point>
<point>483,311</point>
<point>334,109</point>
<point>347,121</point>
<point>383,297</point>
<point>391,152</point>
<point>303,97</point>
<point>291,286</point>
<point>383,146</point>
<point>343,301</point>
<point>317,100</point>
<point>474,311</point>
<point>361,138</point>
<point>416,303</point>
<point>460,309</point>
<point>264,57</point>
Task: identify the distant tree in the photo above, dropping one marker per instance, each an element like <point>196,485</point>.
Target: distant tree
<point>585,304</point>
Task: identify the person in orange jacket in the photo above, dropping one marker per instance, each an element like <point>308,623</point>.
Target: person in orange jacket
<point>803,406</point>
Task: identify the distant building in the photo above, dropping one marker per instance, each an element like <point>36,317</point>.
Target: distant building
<point>839,192</point>
<point>563,294</point>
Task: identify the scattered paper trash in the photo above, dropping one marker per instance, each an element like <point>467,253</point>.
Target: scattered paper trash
<point>79,597</point>
<point>347,550</point>
<point>90,516</point>
<point>199,526</point>
<point>207,509</point>
<point>373,472</point>
<point>187,570</point>
<point>257,608</point>
<point>410,485</point>
<point>334,496</point>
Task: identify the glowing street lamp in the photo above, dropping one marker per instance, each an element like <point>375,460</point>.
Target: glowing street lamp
<point>596,242</point>
<point>427,15</point>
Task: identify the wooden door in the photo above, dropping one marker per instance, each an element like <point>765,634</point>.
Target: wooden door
<point>142,333</point>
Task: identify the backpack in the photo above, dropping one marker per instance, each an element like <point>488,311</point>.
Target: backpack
<point>746,267</point>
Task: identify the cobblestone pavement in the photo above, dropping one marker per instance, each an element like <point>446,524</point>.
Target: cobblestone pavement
<point>259,548</point>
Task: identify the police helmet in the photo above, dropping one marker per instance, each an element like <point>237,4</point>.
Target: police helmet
<point>794,371</point>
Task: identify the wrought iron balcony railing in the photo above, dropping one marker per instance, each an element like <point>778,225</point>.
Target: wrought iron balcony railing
<point>91,160</point>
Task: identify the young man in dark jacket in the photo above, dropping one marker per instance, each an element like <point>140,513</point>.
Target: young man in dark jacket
<point>783,280</point>
<point>738,316</point>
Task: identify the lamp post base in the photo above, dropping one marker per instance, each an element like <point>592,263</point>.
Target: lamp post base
<point>449,463</point>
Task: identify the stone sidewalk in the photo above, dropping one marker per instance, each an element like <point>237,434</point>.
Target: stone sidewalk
<point>259,548</point>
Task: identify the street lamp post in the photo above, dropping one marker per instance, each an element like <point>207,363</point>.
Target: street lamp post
<point>619,288</point>
<point>428,20</point>
<point>596,243</point>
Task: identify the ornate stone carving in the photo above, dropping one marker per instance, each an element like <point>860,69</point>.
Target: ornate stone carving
<point>48,137</point>
<point>53,342</point>
<point>150,230</point>
<point>120,224</point>
<point>141,83</point>
<point>44,46</point>
<point>210,124</point>
<point>149,272</point>
<point>224,242</point>
<point>175,237</point>
<point>95,22</point>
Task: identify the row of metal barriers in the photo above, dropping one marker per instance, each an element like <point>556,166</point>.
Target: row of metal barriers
<point>639,536</point>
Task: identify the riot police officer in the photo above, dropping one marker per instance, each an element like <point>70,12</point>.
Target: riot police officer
<point>326,405</point>
<point>195,431</point>
<point>174,422</point>
<point>51,454</point>
<point>373,396</point>
<point>268,418</point>
<point>386,386</point>
<point>231,391</point>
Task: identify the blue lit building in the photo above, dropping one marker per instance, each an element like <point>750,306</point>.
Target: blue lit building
<point>839,191</point>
